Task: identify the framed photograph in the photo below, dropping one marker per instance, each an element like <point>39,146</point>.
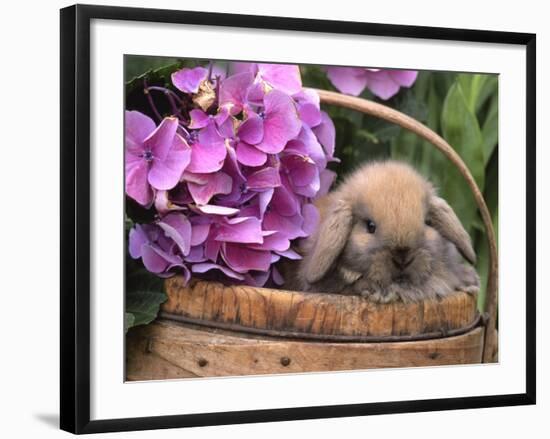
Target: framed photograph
<point>268,218</point>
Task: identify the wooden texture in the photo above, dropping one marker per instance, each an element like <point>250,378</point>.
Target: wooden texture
<point>168,350</point>
<point>244,307</point>
<point>407,122</point>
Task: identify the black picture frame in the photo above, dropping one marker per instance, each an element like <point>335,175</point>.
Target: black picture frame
<point>75,217</point>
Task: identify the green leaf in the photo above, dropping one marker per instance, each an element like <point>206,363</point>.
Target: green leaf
<point>472,86</point>
<point>144,306</point>
<point>139,279</point>
<point>144,293</point>
<point>154,76</point>
<point>489,129</point>
<point>461,129</point>
<point>368,136</point>
<point>129,320</point>
<point>485,94</point>
<point>387,131</point>
<point>128,224</point>
<point>434,107</point>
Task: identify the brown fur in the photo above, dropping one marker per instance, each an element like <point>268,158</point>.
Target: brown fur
<point>412,254</point>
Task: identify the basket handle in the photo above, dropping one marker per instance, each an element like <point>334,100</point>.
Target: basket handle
<point>407,122</point>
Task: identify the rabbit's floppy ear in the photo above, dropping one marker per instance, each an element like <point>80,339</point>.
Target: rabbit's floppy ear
<point>442,218</point>
<point>330,239</point>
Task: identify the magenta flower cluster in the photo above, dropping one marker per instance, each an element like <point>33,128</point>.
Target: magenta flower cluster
<point>384,83</point>
<point>231,174</point>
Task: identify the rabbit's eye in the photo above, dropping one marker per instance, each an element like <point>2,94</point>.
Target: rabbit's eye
<point>371,227</point>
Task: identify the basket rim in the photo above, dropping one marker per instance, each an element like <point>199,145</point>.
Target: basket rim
<point>316,316</point>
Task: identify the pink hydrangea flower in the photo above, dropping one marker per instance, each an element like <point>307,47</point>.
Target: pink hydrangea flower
<point>155,156</point>
<point>383,83</point>
<point>238,178</point>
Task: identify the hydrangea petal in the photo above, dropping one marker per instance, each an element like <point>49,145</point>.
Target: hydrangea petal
<point>137,186</point>
<point>326,133</point>
<point>381,84</point>
<point>236,67</point>
<point>219,70</point>
<point>243,259</point>
<point>405,78</point>
<point>188,80</point>
<point>152,260</point>
<point>251,130</point>
<point>248,231</point>
<point>137,127</point>
<point>281,122</point>
<point>284,77</point>
<point>164,205</point>
<point>159,142</point>
<point>290,254</point>
<point>284,201</point>
<point>327,178</point>
<point>249,155</point>
<point>277,242</point>
<point>308,95</point>
<point>233,91</point>
<point>177,227</point>
<point>227,128</point>
<point>301,169</point>
<point>196,254</point>
<point>264,198</point>
<point>212,249</point>
<point>136,239</point>
<point>348,80</point>
<point>180,268</point>
<point>207,266</point>
<point>310,190</point>
<point>199,233</point>
<point>265,178</point>
<point>199,119</point>
<point>222,116</point>
<point>312,147</point>
<point>206,158</point>
<point>211,209</point>
<point>255,94</point>
<point>290,226</point>
<point>166,174</point>
<point>231,166</point>
<point>217,183</point>
<point>310,114</point>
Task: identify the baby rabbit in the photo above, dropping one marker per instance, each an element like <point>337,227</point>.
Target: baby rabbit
<point>385,234</point>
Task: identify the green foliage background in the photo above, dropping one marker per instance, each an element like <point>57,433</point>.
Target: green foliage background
<point>461,107</point>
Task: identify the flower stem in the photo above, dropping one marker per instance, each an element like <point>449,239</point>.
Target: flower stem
<point>217,90</point>
<point>151,102</point>
<point>210,67</point>
<point>167,91</point>
<point>173,98</point>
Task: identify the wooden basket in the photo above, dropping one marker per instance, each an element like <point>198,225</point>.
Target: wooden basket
<point>208,329</point>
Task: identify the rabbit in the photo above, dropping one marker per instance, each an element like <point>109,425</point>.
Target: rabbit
<point>386,235</point>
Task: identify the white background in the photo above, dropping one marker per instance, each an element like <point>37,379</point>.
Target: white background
<point>29,185</point>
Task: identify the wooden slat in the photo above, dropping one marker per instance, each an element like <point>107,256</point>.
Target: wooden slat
<point>166,350</point>
<point>314,313</point>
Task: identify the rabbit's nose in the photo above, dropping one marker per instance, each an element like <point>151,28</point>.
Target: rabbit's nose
<point>401,257</point>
